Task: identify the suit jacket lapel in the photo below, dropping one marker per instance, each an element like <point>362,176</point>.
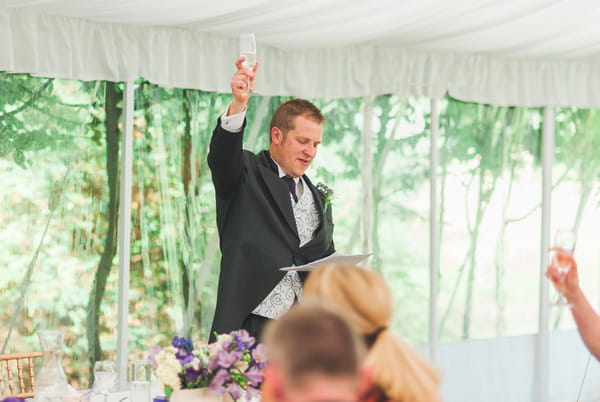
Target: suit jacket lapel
<point>278,190</point>
<point>317,198</point>
<point>323,227</point>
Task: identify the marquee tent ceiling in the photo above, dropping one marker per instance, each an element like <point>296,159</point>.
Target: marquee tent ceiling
<point>528,52</point>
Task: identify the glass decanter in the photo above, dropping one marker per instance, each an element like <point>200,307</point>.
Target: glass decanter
<point>51,381</point>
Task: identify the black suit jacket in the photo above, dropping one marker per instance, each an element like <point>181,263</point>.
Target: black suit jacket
<point>256,227</point>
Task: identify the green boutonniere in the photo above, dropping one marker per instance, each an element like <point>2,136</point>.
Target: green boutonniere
<point>327,195</point>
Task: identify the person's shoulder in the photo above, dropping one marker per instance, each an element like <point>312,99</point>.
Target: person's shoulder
<point>257,157</point>
<point>254,161</point>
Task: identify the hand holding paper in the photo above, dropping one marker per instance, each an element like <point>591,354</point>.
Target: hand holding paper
<point>335,258</point>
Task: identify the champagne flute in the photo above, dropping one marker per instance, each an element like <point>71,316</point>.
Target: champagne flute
<point>564,239</point>
<point>248,51</point>
<point>105,377</point>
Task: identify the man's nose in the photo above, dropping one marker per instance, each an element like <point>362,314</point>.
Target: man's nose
<point>310,150</point>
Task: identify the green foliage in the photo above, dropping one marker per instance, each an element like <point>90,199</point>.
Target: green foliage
<point>53,165</point>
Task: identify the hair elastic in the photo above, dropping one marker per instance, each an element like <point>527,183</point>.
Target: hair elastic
<point>372,337</point>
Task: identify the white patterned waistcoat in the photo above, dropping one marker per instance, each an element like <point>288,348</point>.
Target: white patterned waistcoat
<point>289,288</point>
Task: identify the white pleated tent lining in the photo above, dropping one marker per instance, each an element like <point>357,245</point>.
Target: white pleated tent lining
<point>67,47</point>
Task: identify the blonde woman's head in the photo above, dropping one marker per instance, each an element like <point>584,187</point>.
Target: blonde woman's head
<point>362,292</point>
<point>366,299</point>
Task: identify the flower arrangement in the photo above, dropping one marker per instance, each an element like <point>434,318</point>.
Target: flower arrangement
<point>230,364</point>
<point>327,195</point>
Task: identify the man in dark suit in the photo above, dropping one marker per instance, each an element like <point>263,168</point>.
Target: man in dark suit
<point>269,214</point>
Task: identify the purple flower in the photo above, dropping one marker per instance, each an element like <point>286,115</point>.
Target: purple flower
<point>13,399</point>
<point>225,345</point>
<point>218,382</point>
<point>227,360</point>
<point>224,359</point>
<point>191,374</point>
<point>185,359</point>
<point>259,355</point>
<point>152,356</point>
<point>243,339</point>
<point>252,393</point>
<point>184,350</point>
<point>235,390</point>
<point>214,363</point>
<point>181,343</point>
<point>254,375</point>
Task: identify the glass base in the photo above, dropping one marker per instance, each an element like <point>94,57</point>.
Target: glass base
<point>561,302</point>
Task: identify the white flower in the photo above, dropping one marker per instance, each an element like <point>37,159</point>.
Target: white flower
<point>202,353</point>
<point>168,368</point>
<point>223,338</point>
<point>241,365</point>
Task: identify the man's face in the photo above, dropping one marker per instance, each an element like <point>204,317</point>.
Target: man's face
<point>295,150</point>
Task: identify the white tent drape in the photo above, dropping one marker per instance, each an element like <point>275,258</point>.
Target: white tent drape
<point>65,47</point>
<point>477,50</point>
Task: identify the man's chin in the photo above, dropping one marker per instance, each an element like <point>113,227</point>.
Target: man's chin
<point>301,170</point>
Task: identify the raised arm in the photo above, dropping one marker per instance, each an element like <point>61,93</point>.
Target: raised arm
<point>586,318</point>
<point>225,155</point>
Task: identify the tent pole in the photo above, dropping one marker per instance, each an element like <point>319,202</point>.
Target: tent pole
<point>367,173</point>
<point>433,231</point>
<point>125,233</point>
<point>543,331</point>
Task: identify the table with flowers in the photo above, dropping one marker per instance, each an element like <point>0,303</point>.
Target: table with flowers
<point>228,369</point>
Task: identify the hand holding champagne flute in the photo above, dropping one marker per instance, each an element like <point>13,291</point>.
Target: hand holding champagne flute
<point>564,245</point>
<point>248,52</point>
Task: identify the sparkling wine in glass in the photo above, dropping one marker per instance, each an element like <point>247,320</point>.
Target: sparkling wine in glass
<point>564,239</point>
<point>248,51</point>
<point>105,377</point>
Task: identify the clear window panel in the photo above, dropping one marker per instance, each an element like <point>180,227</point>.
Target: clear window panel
<point>174,244</point>
<point>398,216</point>
<point>490,220</point>
<point>575,198</point>
<point>58,200</point>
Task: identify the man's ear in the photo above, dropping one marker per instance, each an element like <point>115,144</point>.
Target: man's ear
<point>276,136</point>
<point>273,387</point>
<point>365,382</point>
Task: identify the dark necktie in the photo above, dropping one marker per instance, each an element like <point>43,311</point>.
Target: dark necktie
<point>292,185</point>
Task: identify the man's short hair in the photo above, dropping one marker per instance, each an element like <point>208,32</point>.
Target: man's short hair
<point>285,114</point>
<point>314,338</point>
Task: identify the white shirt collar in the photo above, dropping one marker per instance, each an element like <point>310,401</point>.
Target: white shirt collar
<point>282,173</point>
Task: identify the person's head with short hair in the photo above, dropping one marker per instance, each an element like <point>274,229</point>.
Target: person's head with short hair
<point>366,299</point>
<point>287,111</point>
<point>295,132</point>
<point>315,355</point>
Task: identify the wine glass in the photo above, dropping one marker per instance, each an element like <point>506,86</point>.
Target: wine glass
<point>105,377</point>
<point>248,51</point>
<point>564,239</point>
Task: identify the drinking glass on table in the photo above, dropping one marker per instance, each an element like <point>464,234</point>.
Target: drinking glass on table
<point>105,377</point>
<point>248,51</point>
<point>140,373</point>
<point>564,240</point>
